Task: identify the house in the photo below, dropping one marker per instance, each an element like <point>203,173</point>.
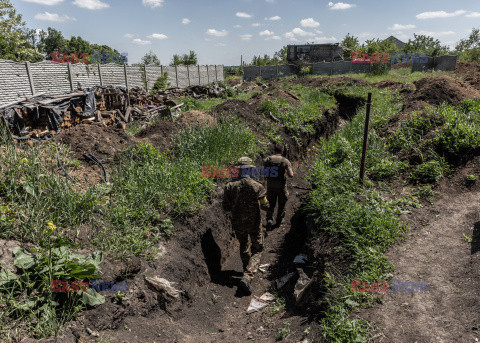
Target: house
<point>314,53</point>
<point>397,42</point>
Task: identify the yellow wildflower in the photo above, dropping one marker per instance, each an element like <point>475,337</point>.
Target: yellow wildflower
<point>51,226</point>
<point>24,160</point>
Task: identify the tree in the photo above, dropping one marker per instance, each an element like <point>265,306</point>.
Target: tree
<point>14,44</point>
<point>281,55</point>
<point>53,40</point>
<point>425,44</point>
<point>469,49</point>
<point>185,59</point>
<point>350,42</point>
<point>150,58</point>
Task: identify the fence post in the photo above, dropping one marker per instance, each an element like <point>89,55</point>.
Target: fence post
<point>365,138</point>
<point>331,68</point>
<point>146,78</point>
<point>176,74</point>
<point>188,75</point>
<point>208,76</point>
<point>70,76</point>
<point>30,78</point>
<point>260,67</point>
<point>199,77</point>
<point>277,71</point>
<point>100,74</point>
<point>126,78</point>
<point>216,73</point>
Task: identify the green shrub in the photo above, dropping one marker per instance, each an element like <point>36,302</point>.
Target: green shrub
<point>161,83</point>
<point>429,172</point>
<point>386,169</point>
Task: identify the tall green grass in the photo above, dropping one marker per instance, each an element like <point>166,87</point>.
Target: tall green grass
<point>365,222</point>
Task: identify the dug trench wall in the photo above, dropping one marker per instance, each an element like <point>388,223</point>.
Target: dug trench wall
<point>21,80</point>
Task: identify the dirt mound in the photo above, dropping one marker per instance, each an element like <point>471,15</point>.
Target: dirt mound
<point>195,118</point>
<point>234,82</point>
<point>443,89</point>
<point>103,142</point>
<point>470,72</point>
<point>160,134</point>
<point>395,85</point>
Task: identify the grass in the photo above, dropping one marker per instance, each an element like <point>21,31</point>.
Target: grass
<point>207,104</point>
<point>399,75</point>
<point>366,227</point>
<point>299,119</point>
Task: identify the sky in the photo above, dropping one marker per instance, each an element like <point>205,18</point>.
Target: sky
<point>221,31</point>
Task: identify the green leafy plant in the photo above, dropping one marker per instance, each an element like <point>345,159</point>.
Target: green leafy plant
<point>283,332</point>
<point>429,172</point>
<point>161,83</point>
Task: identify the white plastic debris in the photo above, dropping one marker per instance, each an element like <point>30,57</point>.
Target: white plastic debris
<point>161,284</point>
<point>264,267</point>
<point>302,285</point>
<point>268,297</point>
<point>284,279</point>
<point>300,259</point>
<point>259,303</point>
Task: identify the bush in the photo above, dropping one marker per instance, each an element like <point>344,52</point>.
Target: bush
<point>429,172</point>
<point>161,83</point>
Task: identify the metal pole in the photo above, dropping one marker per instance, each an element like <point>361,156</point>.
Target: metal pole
<point>365,138</point>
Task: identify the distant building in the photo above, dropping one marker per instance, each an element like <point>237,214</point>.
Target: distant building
<point>397,42</point>
<point>314,53</point>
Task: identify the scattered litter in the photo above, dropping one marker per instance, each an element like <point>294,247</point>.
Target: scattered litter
<point>268,297</point>
<point>264,267</point>
<point>163,285</point>
<point>284,279</point>
<point>92,333</point>
<point>300,259</point>
<point>302,285</point>
<point>258,303</point>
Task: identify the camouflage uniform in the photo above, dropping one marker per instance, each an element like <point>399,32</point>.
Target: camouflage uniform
<point>277,186</point>
<point>242,198</point>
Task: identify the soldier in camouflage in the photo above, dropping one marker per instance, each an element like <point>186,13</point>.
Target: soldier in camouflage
<point>277,184</point>
<point>245,197</point>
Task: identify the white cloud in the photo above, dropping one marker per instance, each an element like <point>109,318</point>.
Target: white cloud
<point>129,35</point>
<point>275,18</point>
<point>325,39</point>
<point>186,21</point>
<point>276,37</point>
<point>246,37</point>
<point>309,22</point>
<point>158,36</point>
<point>318,32</point>
<point>473,15</point>
<point>53,17</point>
<point>439,14</point>
<point>256,24</point>
<point>365,34</point>
<point>266,33</point>
<point>45,2</point>
<point>216,33</point>
<point>91,4</point>
<point>141,42</point>
<point>220,44</point>
<point>237,26</point>
<point>340,6</point>
<point>436,34</point>
<point>399,27</point>
<point>243,15</point>
<point>153,3</point>
<point>296,33</point>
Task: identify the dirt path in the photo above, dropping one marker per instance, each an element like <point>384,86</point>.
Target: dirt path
<point>219,312</point>
<point>436,252</point>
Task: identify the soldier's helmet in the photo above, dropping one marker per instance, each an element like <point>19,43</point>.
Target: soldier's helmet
<point>245,161</point>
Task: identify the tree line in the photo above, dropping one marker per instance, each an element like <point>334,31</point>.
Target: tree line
<point>468,49</point>
<point>19,43</point>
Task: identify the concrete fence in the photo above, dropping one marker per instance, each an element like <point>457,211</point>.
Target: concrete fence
<point>445,63</point>
<point>20,80</point>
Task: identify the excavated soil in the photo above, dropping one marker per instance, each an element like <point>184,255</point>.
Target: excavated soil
<point>443,89</point>
<point>329,81</point>
<point>103,142</point>
<point>160,134</point>
<point>470,71</point>
<point>195,118</point>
